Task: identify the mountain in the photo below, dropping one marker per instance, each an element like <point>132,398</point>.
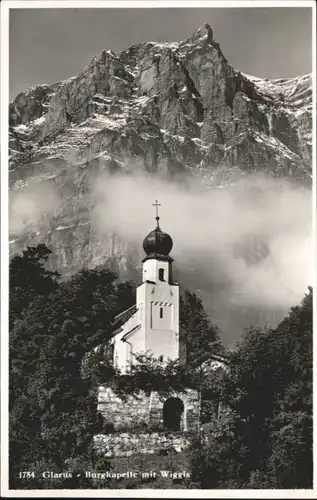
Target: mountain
<point>174,110</point>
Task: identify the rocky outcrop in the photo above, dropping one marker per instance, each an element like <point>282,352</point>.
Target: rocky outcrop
<point>149,100</point>
<point>165,108</point>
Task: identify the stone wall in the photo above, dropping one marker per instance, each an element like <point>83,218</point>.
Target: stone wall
<point>147,410</point>
<point>127,444</point>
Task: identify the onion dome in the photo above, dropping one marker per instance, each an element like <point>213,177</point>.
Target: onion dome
<point>157,244</point>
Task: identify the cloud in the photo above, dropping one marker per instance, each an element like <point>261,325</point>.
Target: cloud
<point>29,203</point>
<point>245,248</point>
<point>254,238</point>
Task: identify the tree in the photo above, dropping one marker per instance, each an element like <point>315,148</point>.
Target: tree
<point>202,338</point>
<point>29,278</point>
<point>48,345</point>
<point>290,464</point>
<point>269,395</point>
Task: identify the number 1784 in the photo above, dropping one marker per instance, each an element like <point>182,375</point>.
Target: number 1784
<point>26,474</point>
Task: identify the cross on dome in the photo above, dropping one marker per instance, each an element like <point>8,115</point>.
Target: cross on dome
<point>156,205</point>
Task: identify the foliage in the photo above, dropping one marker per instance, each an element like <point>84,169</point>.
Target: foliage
<point>28,278</point>
<point>259,437</point>
<point>267,440</point>
<point>202,338</point>
<point>151,374</point>
<point>53,406</point>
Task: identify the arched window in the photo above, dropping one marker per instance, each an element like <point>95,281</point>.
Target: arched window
<point>161,274</point>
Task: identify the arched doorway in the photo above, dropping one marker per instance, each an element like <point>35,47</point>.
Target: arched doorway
<point>172,413</point>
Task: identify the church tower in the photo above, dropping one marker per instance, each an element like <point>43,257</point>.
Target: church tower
<point>152,325</point>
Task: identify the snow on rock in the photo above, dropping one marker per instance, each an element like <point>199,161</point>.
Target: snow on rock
<point>167,108</point>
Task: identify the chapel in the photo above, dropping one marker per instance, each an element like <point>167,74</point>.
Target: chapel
<point>151,327</point>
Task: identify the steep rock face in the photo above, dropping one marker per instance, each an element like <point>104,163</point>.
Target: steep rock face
<point>175,93</point>
<point>170,109</point>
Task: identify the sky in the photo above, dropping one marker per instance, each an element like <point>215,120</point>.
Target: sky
<point>48,45</point>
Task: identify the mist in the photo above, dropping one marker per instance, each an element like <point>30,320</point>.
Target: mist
<point>29,203</point>
<point>249,243</point>
<point>252,239</point>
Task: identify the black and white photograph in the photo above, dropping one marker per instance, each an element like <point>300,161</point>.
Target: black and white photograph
<point>158,206</point>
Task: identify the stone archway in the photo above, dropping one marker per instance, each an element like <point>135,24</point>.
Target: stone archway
<point>173,409</point>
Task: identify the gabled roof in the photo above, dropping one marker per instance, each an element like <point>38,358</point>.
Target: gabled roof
<point>123,317</point>
<point>128,334</point>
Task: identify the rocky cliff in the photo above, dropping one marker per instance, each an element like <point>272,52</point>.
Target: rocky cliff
<point>174,110</point>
